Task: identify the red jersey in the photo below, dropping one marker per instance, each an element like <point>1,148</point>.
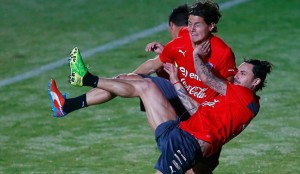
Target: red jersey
<point>221,62</point>
<point>225,117</point>
<point>183,32</point>
<point>161,72</point>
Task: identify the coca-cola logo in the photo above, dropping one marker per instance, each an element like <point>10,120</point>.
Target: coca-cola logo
<point>194,90</point>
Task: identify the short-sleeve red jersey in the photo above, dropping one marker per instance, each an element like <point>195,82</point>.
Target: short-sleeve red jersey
<point>221,62</point>
<point>161,72</point>
<point>225,117</point>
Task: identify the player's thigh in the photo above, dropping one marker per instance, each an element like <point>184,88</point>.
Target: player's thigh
<point>130,76</point>
<point>157,106</point>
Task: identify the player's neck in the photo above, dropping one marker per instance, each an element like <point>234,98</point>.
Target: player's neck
<point>195,44</point>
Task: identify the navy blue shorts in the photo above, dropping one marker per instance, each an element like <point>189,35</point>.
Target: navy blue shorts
<point>179,150</point>
<point>170,93</point>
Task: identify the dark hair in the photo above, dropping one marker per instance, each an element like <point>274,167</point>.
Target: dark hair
<point>179,15</point>
<point>260,70</point>
<point>209,10</point>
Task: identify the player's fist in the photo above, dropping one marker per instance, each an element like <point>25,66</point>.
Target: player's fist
<point>154,47</point>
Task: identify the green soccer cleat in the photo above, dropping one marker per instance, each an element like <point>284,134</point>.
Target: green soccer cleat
<point>77,68</point>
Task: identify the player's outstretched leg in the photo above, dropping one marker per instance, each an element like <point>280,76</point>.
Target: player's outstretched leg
<point>57,99</point>
<point>158,108</point>
<point>77,68</point>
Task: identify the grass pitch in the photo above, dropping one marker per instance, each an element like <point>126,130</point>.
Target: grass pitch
<point>115,137</point>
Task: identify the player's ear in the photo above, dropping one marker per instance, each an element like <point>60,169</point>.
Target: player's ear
<point>212,26</point>
<point>171,24</point>
<point>256,81</point>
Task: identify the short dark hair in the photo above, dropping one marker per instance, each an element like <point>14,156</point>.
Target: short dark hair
<point>260,70</point>
<point>209,10</point>
<point>179,15</point>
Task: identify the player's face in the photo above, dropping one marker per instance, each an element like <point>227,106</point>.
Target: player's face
<point>198,29</point>
<point>245,76</point>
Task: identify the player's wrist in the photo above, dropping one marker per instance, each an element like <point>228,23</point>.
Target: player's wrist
<point>176,82</point>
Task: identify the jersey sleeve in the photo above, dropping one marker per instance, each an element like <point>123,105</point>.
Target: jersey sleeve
<point>167,54</point>
<point>227,66</point>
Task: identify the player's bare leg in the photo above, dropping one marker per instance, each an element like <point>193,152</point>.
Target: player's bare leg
<point>159,110</point>
<point>98,96</point>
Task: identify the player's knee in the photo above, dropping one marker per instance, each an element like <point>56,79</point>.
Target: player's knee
<point>148,85</point>
<point>144,86</point>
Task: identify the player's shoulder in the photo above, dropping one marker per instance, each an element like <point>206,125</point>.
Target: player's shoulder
<point>219,43</point>
<point>240,90</point>
<point>183,32</point>
<point>220,49</point>
<point>180,41</point>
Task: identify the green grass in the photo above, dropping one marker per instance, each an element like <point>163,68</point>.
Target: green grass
<point>115,137</point>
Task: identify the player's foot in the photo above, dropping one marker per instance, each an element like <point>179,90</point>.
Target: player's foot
<point>57,99</point>
<point>77,68</point>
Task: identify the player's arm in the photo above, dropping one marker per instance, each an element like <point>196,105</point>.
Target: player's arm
<point>188,102</point>
<point>150,66</point>
<point>204,73</point>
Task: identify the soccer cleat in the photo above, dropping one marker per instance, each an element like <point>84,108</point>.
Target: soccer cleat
<point>77,68</point>
<point>57,99</point>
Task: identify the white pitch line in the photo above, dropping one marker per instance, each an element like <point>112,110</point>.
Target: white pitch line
<point>102,48</point>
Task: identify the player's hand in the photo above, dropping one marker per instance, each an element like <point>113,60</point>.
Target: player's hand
<point>203,49</point>
<point>172,70</point>
<point>154,47</point>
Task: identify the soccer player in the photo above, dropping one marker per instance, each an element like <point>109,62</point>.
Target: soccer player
<point>211,125</point>
<point>202,21</point>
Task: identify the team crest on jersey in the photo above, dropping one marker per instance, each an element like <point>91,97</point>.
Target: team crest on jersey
<point>210,66</point>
